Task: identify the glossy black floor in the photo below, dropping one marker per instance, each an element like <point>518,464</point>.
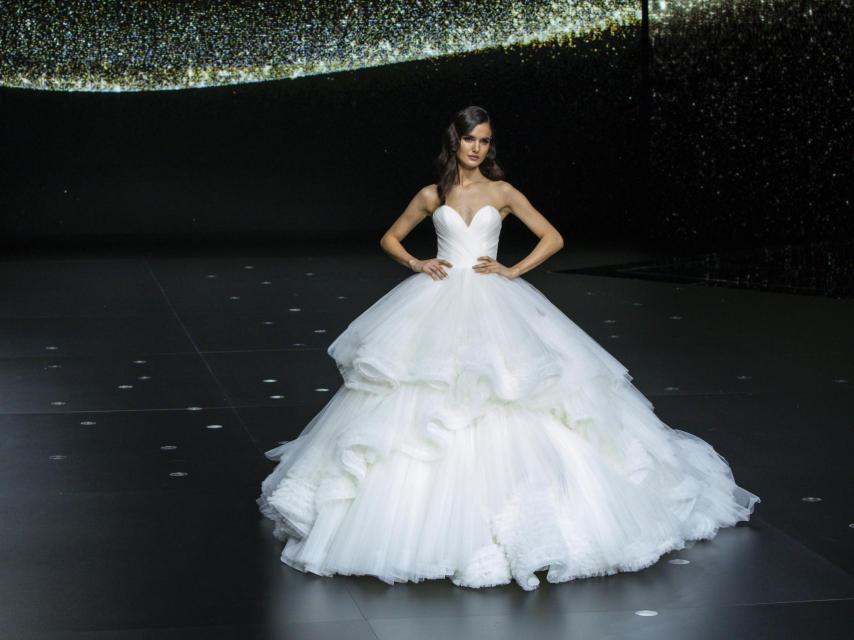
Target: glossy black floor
<point>139,389</point>
<point>819,268</point>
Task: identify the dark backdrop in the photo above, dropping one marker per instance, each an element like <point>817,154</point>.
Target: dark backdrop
<point>332,153</point>
<point>747,139</point>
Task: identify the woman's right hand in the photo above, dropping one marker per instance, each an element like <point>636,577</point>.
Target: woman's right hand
<point>433,267</point>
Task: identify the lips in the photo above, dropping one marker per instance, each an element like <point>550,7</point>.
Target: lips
<point>474,157</point>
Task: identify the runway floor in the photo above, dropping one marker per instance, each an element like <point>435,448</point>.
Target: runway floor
<point>138,390</point>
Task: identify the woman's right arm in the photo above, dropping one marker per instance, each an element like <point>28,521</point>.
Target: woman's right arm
<point>425,201</point>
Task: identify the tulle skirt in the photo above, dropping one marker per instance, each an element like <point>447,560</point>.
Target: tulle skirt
<point>481,435</point>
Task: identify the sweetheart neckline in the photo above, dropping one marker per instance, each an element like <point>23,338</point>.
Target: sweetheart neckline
<point>460,216</point>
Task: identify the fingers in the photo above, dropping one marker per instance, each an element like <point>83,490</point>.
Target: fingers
<point>489,265</point>
<point>436,272</point>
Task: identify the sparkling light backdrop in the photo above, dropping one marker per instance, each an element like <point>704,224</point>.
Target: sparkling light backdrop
<point>749,116</point>
<point>104,45</point>
<point>751,119</point>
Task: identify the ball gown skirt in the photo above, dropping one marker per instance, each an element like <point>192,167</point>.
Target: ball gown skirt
<point>481,435</point>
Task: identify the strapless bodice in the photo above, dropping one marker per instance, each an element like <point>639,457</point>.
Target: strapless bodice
<point>463,244</point>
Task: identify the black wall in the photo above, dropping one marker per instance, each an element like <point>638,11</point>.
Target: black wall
<point>341,152</point>
<point>748,135</point>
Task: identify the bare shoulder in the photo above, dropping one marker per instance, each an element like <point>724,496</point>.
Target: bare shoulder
<point>506,190</point>
<point>510,197</point>
<point>428,198</point>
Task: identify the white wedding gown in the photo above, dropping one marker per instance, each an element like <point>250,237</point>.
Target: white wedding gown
<point>481,435</point>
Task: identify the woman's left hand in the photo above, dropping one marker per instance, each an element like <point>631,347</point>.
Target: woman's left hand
<point>488,264</point>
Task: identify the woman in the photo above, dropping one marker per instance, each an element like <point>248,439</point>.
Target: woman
<point>480,434</point>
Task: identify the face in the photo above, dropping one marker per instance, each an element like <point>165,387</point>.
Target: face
<point>474,145</point>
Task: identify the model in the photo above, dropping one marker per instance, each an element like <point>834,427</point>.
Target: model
<point>479,434</point>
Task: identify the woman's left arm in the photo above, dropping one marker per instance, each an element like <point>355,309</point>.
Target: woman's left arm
<point>550,239</point>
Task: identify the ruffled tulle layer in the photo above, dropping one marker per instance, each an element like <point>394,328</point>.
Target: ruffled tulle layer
<point>481,435</point>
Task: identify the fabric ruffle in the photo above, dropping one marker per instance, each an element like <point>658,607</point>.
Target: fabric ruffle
<point>481,435</point>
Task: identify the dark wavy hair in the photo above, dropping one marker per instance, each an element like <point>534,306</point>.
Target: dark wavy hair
<point>446,162</point>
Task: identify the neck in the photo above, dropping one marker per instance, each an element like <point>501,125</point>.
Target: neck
<point>467,176</point>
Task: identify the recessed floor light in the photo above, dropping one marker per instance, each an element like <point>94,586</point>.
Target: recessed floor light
<point>213,426</point>
<point>646,612</point>
<point>178,474</point>
<point>57,457</point>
